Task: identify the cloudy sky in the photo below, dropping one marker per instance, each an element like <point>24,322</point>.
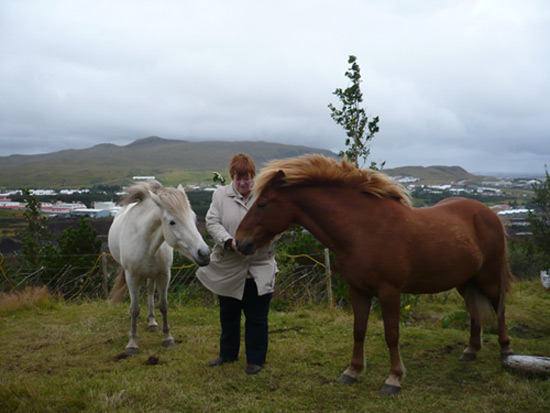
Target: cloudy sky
<point>454,82</point>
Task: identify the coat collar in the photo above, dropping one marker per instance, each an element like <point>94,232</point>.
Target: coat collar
<point>233,193</point>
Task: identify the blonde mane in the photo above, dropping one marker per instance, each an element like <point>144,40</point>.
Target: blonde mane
<point>174,200</point>
<point>318,169</point>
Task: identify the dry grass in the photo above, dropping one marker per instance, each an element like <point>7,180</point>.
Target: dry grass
<point>27,298</point>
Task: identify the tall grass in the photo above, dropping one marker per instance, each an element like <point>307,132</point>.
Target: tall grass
<point>28,298</point>
<point>70,357</point>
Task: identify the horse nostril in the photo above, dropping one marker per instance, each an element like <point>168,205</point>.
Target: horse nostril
<point>203,257</point>
<point>246,247</point>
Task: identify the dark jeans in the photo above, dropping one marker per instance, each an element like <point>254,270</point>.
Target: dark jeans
<point>256,309</point>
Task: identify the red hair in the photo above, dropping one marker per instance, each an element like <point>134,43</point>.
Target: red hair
<point>242,165</point>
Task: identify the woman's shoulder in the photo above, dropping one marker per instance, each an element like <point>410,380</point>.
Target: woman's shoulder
<point>226,190</point>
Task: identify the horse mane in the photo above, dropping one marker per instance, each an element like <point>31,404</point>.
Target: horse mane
<point>174,200</point>
<point>318,169</point>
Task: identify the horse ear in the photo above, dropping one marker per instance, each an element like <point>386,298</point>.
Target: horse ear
<point>157,199</point>
<point>279,178</point>
<point>180,188</point>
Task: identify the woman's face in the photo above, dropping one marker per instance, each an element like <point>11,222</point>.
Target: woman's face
<point>243,184</point>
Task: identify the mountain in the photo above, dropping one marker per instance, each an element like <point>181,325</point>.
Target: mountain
<point>171,161</point>
<point>433,175</point>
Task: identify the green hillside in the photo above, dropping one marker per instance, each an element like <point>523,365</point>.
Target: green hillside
<point>434,175</point>
<point>170,161</point>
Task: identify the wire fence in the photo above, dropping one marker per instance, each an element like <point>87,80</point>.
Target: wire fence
<point>304,279</point>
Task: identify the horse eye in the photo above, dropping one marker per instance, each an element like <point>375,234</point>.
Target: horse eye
<point>172,222</point>
<point>261,205</point>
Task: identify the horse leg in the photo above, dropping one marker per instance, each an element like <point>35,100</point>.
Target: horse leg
<point>487,294</point>
<point>476,330</point>
<point>163,283</point>
<point>474,345</point>
<point>133,288</point>
<point>493,292</point>
<point>152,323</point>
<point>389,302</point>
<point>503,286</point>
<point>361,304</point>
<point>503,338</point>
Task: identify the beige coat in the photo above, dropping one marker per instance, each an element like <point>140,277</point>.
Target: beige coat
<point>226,274</point>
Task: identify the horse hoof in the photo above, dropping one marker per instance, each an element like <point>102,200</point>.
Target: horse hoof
<point>153,328</point>
<point>168,343</point>
<point>467,357</point>
<point>132,351</point>
<point>389,389</point>
<point>504,356</point>
<point>345,379</point>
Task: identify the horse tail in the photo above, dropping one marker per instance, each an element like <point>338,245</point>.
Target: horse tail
<point>119,289</point>
<point>478,304</point>
<point>506,280</point>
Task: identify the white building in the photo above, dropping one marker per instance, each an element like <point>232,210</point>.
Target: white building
<point>107,206</point>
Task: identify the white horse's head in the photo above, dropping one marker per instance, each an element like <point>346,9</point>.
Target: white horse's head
<point>179,224</point>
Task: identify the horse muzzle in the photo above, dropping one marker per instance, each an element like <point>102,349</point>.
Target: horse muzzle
<point>202,257</point>
<point>246,247</point>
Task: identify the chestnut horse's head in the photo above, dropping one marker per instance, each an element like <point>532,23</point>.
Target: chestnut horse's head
<point>269,215</point>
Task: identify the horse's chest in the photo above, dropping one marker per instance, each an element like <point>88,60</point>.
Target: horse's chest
<point>141,263</point>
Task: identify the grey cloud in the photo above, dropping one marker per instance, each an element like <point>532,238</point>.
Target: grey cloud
<point>457,83</point>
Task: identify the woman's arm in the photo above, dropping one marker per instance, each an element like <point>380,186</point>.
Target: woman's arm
<point>214,219</point>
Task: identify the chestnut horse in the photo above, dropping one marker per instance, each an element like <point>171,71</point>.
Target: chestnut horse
<point>384,247</point>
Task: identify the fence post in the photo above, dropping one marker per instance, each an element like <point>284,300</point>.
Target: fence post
<point>105,274</point>
<point>329,279</point>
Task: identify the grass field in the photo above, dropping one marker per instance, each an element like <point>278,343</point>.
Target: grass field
<point>70,357</point>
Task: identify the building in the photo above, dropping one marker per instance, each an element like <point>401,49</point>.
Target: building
<point>515,221</point>
<point>91,213</point>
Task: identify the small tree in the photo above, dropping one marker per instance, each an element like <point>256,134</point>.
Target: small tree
<point>353,118</point>
<point>540,220</point>
<point>79,247</point>
<point>35,237</point>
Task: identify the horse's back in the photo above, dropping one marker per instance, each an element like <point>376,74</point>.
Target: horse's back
<point>454,240</point>
<point>485,222</point>
<point>464,205</point>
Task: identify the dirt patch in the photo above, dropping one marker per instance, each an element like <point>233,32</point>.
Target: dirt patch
<point>121,356</point>
<point>323,380</point>
<point>152,361</point>
<point>449,349</point>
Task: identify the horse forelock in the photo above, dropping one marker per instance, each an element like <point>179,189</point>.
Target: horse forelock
<point>319,169</point>
<point>139,191</point>
<point>174,200</point>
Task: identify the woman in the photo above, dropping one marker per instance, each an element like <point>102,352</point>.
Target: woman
<point>243,284</point>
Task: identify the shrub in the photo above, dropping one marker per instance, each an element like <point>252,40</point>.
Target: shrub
<point>526,259</point>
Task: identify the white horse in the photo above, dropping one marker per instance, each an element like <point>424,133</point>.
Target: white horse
<point>154,220</point>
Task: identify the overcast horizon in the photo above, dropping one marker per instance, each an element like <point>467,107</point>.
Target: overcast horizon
<point>454,82</point>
